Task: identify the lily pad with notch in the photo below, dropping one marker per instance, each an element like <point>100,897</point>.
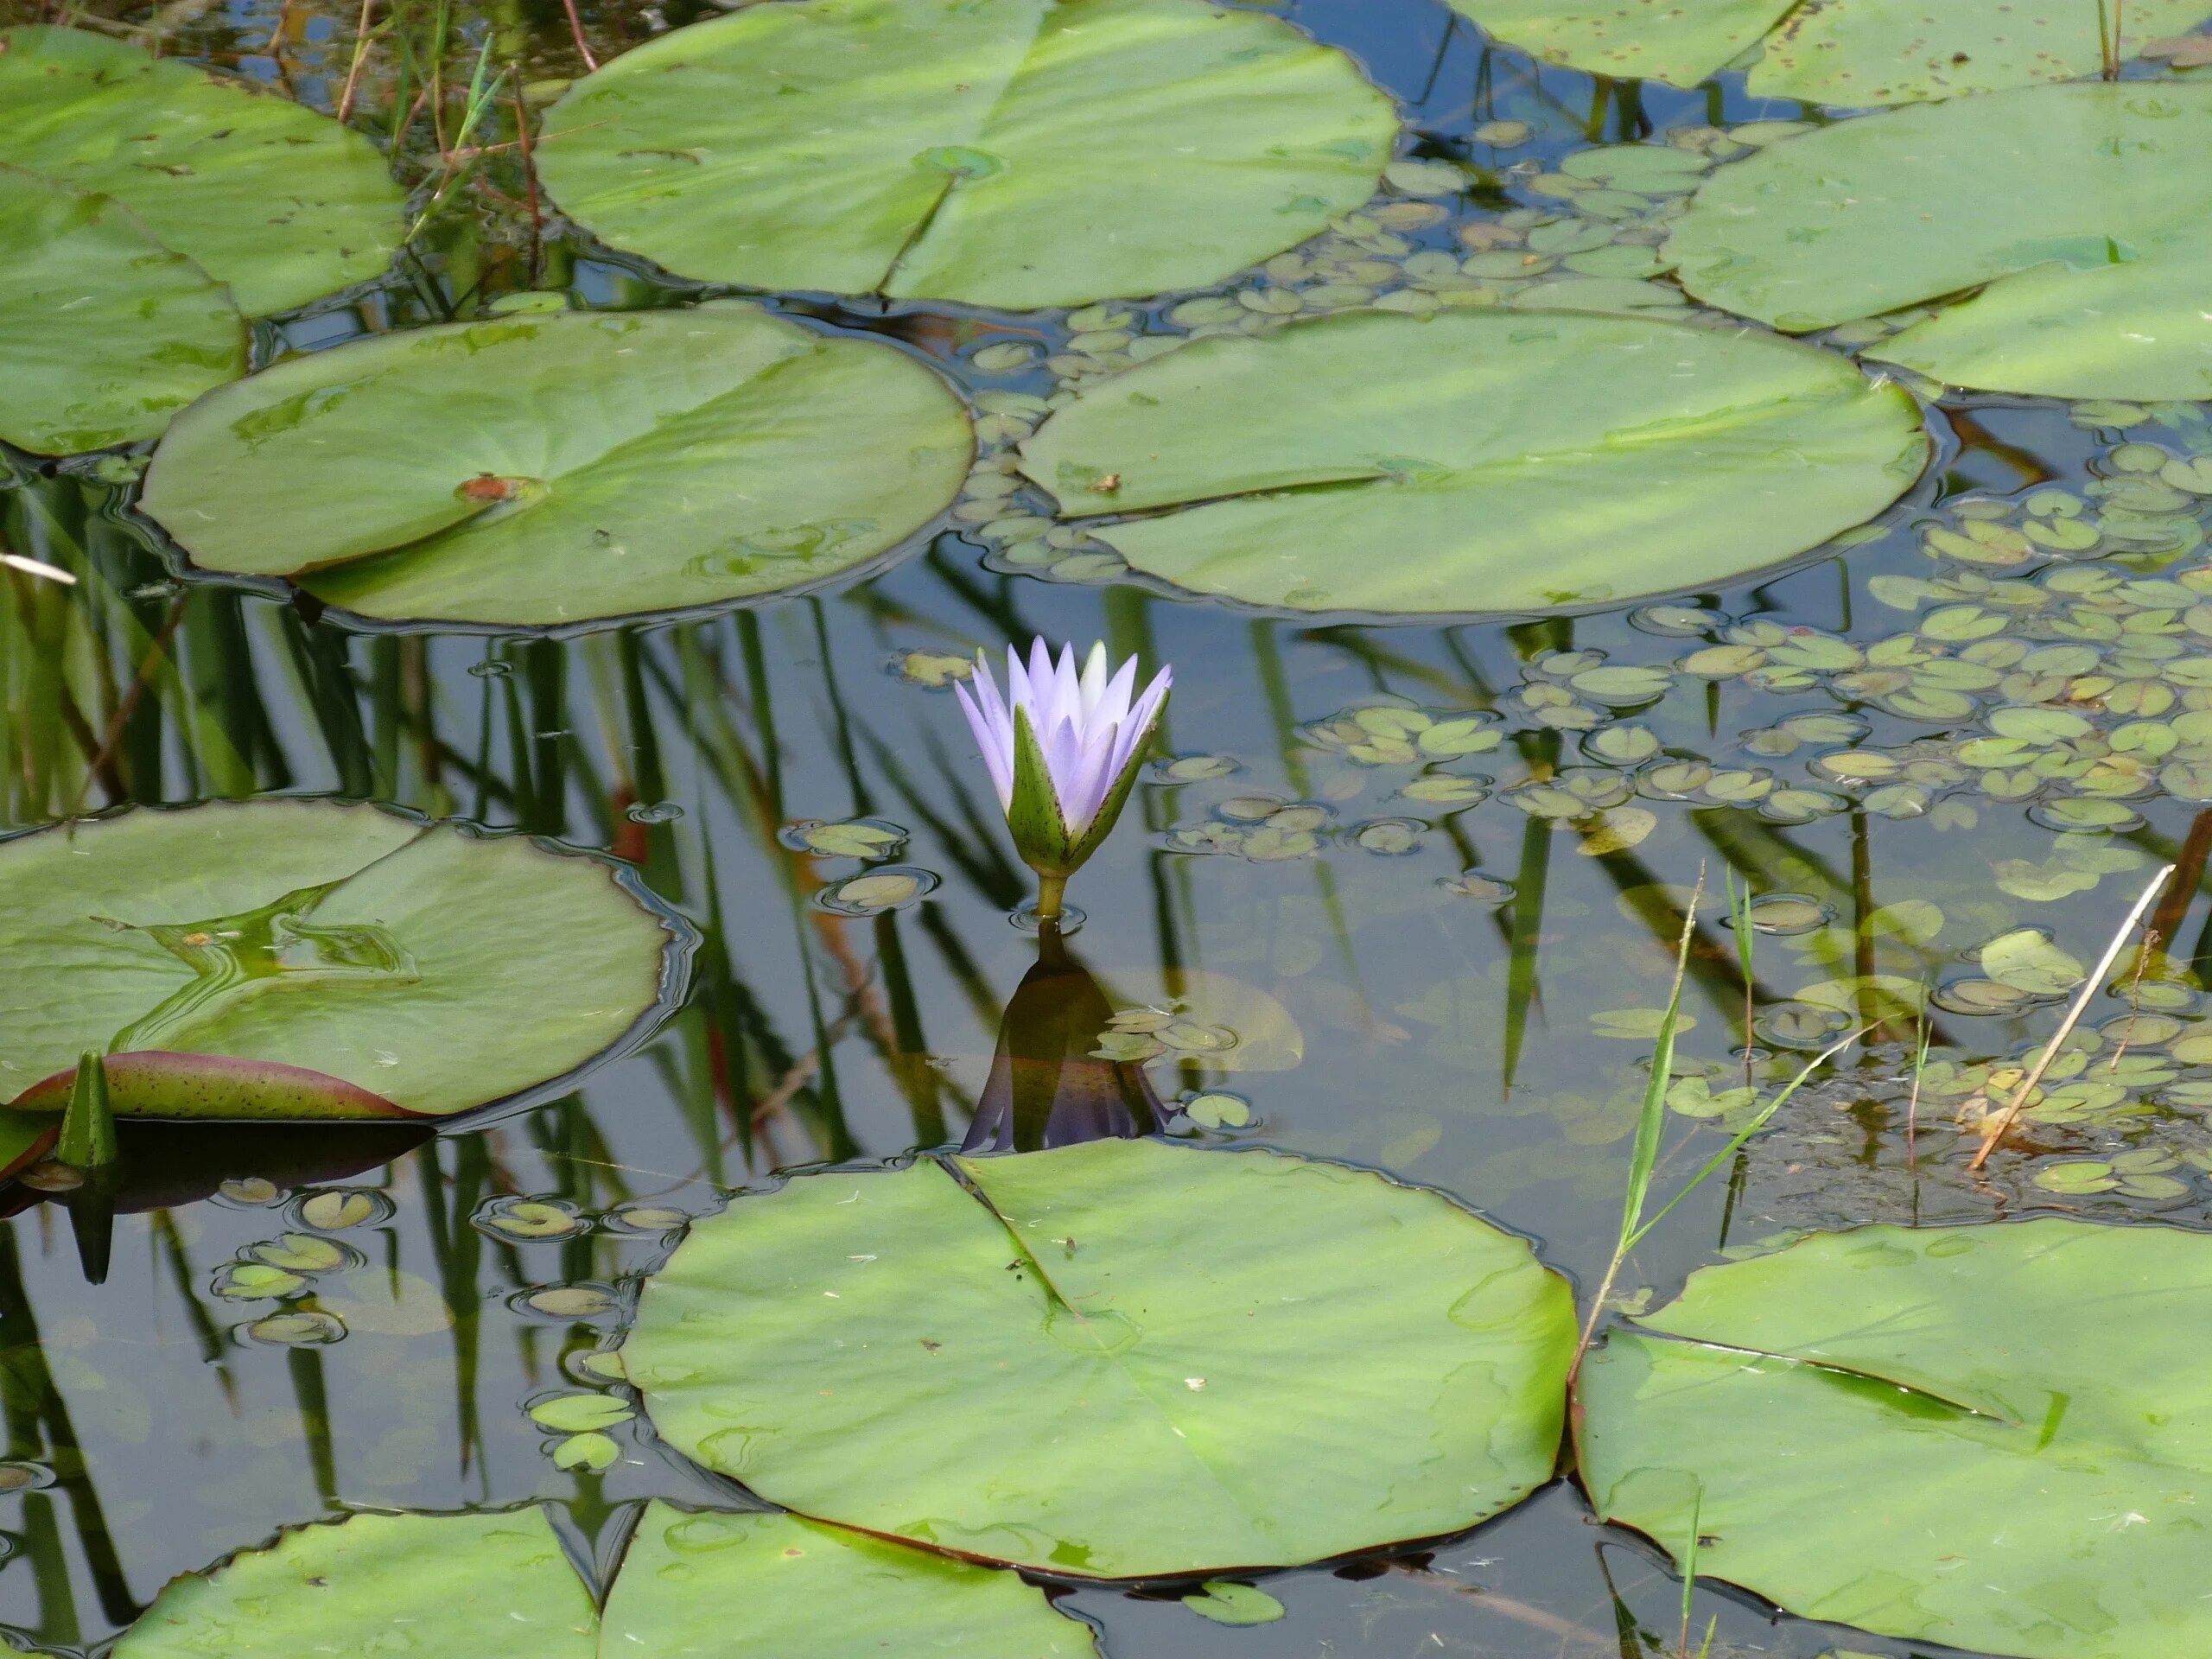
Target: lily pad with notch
<point>1113,1343</point>
<point>539,470</point>
<point>2081,247</point>
<point>1467,462</point>
<point>1013,153</point>
<point>1848,52</point>
<point>306,959</point>
<point>746,1585</point>
<point>1990,1438</point>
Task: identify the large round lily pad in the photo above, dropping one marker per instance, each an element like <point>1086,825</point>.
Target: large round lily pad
<point>545,469</point>
<point>2088,234</point>
<point>1117,1359</point>
<point>1016,153</point>
<point>1831,51</point>
<point>1476,461</point>
<point>278,202</point>
<point>483,1586</point>
<point>425,967</point>
<point>475,1585</point>
<point>104,332</point>
<point>1996,1437</point>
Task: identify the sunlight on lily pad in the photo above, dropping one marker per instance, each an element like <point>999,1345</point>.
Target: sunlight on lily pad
<point>550,469</point>
<point>105,333</point>
<point>1991,1437</point>
<point>1016,153</point>
<point>1848,51</point>
<point>1475,461</point>
<point>277,202</point>
<point>2087,232</point>
<point>1198,1360</point>
<point>745,1585</point>
<point>432,969</point>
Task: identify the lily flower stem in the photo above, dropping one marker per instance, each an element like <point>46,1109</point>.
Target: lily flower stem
<point>1051,896</point>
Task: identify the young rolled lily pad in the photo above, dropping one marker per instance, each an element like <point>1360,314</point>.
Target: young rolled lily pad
<point>740,1586</point>
<point>1831,51</point>
<point>1135,1360</point>
<point>1989,1438</point>
<point>273,200</point>
<point>1017,153</point>
<point>105,333</point>
<point>309,959</point>
<point>1475,461</point>
<point>2086,235</point>
<point>539,470</point>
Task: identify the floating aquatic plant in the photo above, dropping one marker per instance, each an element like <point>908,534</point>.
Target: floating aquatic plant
<point>1847,52</point>
<point>2033,1480</point>
<point>988,151</point>
<point>1063,750</point>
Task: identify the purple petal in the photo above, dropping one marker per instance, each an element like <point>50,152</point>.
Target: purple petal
<point>1112,705</point>
<point>1093,780</point>
<point>1138,727</point>
<point>997,760</point>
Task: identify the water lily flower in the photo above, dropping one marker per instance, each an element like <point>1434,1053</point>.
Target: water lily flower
<point>1062,751</point>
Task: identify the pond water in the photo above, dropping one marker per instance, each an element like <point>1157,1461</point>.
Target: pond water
<point>1457,984</point>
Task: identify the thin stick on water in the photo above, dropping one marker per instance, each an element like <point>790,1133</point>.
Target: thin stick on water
<point>2001,1125</point>
<point>353,69</point>
<point>583,47</point>
<point>2153,942</point>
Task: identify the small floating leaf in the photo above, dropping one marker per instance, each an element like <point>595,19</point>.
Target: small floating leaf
<point>336,1210</point>
<point>574,1414</point>
<point>2027,960</point>
<point>304,1253</point>
<point>592,1451</point>
<point>1228,1603</point>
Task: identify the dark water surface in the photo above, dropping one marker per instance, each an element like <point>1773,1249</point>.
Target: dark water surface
<point>1449,1036</point>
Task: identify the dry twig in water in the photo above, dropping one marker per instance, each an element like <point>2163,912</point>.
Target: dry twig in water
<point>1999,1126</point>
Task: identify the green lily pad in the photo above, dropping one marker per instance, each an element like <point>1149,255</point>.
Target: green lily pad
<point>465,1586</point>
<point>1853,52</point>
<point>768,1586</point>
<point>1990,1438</point>
<point>2086,234</point>
<point>2027,960</point>
<point>104,332</point>
<point>1016,153</point>
<point>1475,461</point>
<point>431,969</point>
<point>1134,1359</point>
<point>277,202</point>
<point>548,469</point>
